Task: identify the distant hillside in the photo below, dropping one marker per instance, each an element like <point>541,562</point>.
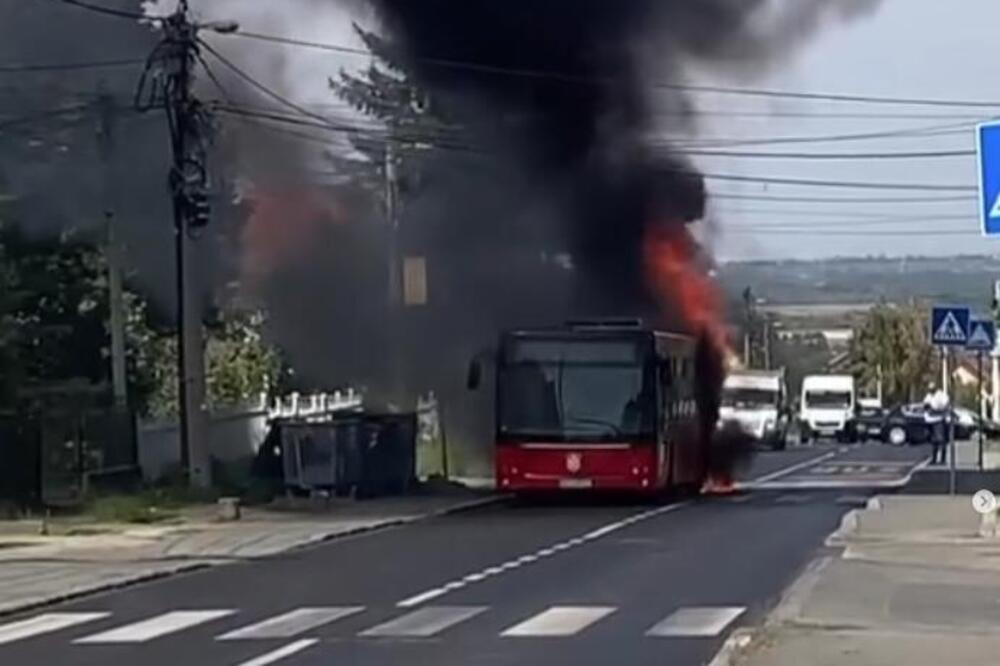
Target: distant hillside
<point>966,279</point>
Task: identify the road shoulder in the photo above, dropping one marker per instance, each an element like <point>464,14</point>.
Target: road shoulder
<point>912,583</point>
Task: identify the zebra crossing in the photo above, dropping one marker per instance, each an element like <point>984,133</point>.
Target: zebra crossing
<point>302,623</point>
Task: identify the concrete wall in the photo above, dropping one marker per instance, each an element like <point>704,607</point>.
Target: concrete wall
<point>233,436</point>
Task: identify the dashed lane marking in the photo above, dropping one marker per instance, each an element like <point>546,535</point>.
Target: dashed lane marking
<point>559,621</point>
<point>281,653</point>
<point>785,471</point>
<point>541,554</point>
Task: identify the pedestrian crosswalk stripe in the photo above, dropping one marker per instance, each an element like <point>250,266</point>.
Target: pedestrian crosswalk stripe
<point>292,623</point>
<point>424,622</point>
<point>694,622</point>
<point>161,625</point>
<point>43,624</point>
<point>560,621</point>
<point>281,653</point>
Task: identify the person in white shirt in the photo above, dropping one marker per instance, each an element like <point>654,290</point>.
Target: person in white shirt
<point>936,409</point>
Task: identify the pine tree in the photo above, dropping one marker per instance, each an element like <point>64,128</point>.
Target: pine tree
<point>414,126</point>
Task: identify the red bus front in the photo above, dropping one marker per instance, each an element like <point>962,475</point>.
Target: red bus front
<point>578,410</point>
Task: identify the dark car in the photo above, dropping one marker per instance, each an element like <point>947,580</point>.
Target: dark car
<point>870,422</point>
<point>907,424</point>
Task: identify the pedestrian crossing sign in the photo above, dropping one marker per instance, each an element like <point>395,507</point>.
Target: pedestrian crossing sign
<point>950,326</point>
<point>982,335</point>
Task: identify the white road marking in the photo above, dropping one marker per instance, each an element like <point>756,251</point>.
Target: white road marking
<point>161,625</point>
<point>784,471</point>
<point>696,622</point>
<point>560,621</point>
<point>281,653</point>
<point>43,624</point>
<point>424,622</point>
<point>292,623</point>
<point>530,558</point>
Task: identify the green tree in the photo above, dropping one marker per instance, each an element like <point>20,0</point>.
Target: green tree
<point>239,365</point>
<point>892,344</point>
<point>54,317</point>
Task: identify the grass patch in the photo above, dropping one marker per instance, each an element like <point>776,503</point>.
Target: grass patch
<point>146,507</point>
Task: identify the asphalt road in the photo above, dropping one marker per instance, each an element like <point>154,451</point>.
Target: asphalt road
<point>580,583</point>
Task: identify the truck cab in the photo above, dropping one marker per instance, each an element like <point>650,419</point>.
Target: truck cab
<point>829,404</point>
<point>757,401</point>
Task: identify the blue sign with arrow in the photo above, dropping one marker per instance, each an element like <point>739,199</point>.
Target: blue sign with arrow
<point>988,144</point>
<point>982,335</point>
<point>950,326</point>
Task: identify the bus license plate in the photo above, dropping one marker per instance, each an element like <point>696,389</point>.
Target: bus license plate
<point>576,483</point>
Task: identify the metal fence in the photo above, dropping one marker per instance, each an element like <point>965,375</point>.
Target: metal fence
<point>54,458</point>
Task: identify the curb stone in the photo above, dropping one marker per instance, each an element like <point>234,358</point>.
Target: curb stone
<point>730,651</point>
<point>210,561</point>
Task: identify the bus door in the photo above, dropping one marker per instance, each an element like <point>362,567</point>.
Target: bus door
<point>665,446</point>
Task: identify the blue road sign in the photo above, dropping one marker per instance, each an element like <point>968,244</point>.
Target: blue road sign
<point>950,325</point>
<point>982,335</point>
<point>988,143</point>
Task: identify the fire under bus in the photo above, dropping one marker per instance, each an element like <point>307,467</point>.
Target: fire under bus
<point>604,406</point>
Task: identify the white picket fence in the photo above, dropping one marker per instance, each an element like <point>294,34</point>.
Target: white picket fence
<point>316,404</point>
<point>234,434</point>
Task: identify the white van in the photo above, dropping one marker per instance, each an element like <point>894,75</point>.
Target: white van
<point>828,407</point>
<point>757,401</point>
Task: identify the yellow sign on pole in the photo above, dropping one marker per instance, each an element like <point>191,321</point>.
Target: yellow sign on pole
<point>415,281</point>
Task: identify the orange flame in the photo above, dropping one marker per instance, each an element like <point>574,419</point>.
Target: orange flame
<point>670,254</point>
<point>283,225</point>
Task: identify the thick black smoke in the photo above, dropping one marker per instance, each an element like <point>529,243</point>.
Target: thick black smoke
<point>567,82</point>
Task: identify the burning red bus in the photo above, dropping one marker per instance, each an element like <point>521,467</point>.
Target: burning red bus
<point>602,405</point>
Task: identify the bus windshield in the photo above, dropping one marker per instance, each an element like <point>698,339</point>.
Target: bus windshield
<point>584,390</point>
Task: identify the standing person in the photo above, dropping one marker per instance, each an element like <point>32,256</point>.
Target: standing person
<point>936,408</point>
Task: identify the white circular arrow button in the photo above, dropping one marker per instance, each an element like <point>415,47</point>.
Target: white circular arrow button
<point>984,502</point>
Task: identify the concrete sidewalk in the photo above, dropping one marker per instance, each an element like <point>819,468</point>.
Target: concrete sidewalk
<point>912,584</point>
<point>37,570</point>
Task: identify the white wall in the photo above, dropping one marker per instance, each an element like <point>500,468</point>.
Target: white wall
<point>233,436</point>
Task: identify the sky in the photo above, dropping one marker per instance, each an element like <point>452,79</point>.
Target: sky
<point>907,48</point>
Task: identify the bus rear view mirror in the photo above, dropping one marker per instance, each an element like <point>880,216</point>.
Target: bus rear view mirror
<point>475,376</point>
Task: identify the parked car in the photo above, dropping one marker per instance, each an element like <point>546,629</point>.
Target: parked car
<point>870,420</point>
<point>907,424</point>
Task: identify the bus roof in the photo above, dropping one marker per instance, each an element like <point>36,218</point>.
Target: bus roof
<point>599,328</point>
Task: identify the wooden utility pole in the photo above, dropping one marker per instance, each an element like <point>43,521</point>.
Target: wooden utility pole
<point>106,147</point>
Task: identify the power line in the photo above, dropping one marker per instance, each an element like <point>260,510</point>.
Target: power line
<point>925,131</point>
<point>260,86</point>
<point>100,9</point>
<point>732,196</point>
<point>572,78</point>
<point>887,233</point>
<point>803,182</point>
<point>70,66</point>
<point>838,215</point>
<point>849,223</point>
<point>829,156</point>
